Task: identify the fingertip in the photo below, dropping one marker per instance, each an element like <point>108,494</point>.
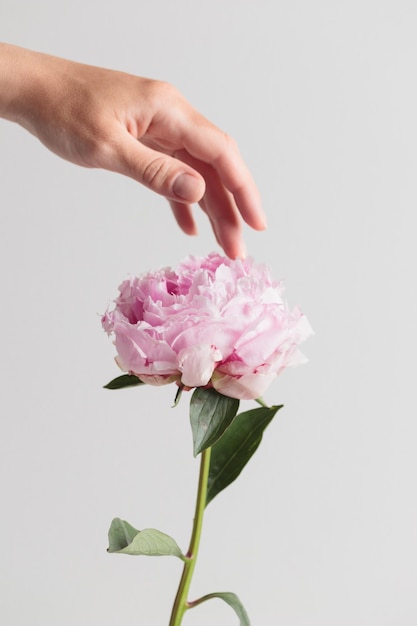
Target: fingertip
<point>263,224</point>
<point>184,217</point>
<point>190,229</point>
<point>257,222</point>
<point>234,248</point>
<point>262,219</point>
<point>248,201</point>
<point>257,219</point>
<point>240,252</point>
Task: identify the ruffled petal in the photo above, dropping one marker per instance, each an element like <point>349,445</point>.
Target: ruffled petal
<point>197,364</point>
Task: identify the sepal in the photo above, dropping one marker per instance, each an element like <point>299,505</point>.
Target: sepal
<point>126,380</point>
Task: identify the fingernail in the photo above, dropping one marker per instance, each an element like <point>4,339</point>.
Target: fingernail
<point>185,187</point>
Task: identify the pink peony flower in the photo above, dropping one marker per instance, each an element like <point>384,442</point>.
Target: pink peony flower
<point>213,322</point>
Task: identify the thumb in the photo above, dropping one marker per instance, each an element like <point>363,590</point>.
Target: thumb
<point>160,172</point>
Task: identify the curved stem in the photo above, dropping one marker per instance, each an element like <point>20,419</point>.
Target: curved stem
<point>181,604</point>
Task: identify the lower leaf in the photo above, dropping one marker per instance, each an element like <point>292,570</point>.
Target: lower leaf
<point>124,539</point>
<point>232,600</point>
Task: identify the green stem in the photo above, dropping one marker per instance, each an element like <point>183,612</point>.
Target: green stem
<point>181,604</point>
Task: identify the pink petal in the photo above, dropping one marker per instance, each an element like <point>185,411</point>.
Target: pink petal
<point>246,387</point>
<point>197,364</point>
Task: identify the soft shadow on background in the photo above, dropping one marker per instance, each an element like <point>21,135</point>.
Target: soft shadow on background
<point>320,530</point>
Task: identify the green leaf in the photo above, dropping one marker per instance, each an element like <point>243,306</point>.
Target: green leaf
<point>232,600</point>
<point>230,454</point>
<point>124,539</point>
<point>210,414</point>
<point>126,380</point>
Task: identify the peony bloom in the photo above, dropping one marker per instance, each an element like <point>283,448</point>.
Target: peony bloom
<point>213,321</point>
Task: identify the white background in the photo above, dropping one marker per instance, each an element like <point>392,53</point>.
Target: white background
<point>320,530</point>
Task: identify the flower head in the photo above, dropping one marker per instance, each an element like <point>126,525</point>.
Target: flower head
<point>213,321</point>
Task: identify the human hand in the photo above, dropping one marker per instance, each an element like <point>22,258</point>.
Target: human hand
<point>138,127</point>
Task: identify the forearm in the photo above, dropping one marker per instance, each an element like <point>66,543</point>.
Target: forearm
<point>16,75</point>
<point>25,80</point>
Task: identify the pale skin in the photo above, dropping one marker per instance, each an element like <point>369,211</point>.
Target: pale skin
<point>139,127</point>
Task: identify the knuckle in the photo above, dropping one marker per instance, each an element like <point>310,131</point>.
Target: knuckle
<point>162,91</point>
<point>229,142</point>
<point>156,173</point>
